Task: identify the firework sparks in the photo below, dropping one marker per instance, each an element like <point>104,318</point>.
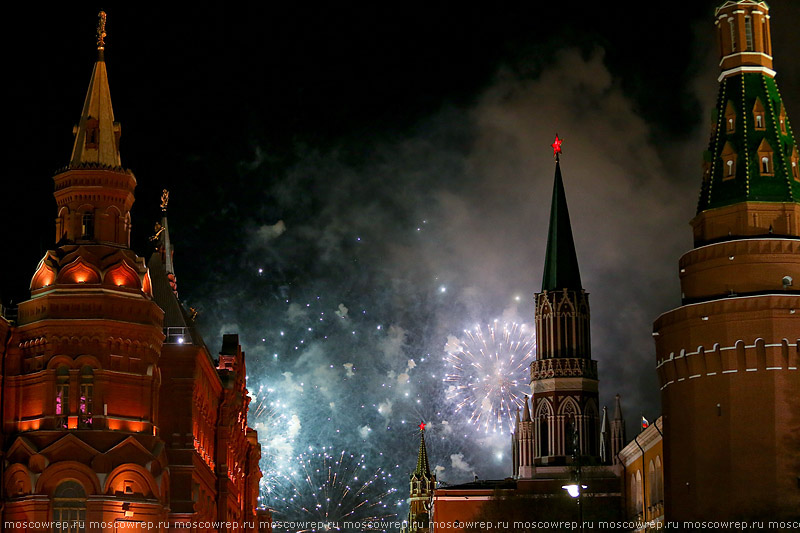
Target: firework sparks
<point>333,489</point>
<point>488,373</point>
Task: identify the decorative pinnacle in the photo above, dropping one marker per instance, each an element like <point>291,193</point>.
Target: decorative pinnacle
<point>164,200</point>
<point>422,427</point>
<point>557,147</point>
<point>101,31</point>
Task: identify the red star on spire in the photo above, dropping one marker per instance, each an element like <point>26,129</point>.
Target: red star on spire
<point>422,427</point>
<point>557,146</point>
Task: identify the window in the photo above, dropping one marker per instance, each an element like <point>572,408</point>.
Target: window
<point>544,436</point>
<point>86,399</point>
<point>748,32</point>
<point>639,496</point>
<point>69,508</point>
<point>759,122</point>
<point>731,168</point>
<point>62,397</point>
<point>653,486</point>
<point>87,225</point>
<point>733,36</point>
<point>92,133</point>
<point>765,159</point>
<point>730,118</point>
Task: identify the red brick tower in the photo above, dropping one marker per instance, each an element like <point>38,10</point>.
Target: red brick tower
<point>563,376</point>
<point>728,356</point>
<point>80,401</point>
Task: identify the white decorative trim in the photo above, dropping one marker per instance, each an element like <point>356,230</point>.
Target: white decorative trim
<point>695,376</point>
<point>751,369</point>
<point>727,299</point>
<point>729,371</point>
<point>743,69</point>
<point>711,374</point>
<point>774,368</point>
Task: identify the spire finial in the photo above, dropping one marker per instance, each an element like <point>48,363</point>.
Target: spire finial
<point>557,147</point>
<point>164,200</point>
<point>101,32</point>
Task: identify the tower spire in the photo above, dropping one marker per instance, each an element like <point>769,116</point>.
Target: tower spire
<point>97,133</point>
<point>561,262</point>
<point>423,468</point>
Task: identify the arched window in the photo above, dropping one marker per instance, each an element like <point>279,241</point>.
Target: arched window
<point>731,168</point>
<point>651,481</point>
<point>765,165</point>
<point>639,496</point>
<point>634,499</point>
<point>69,508</point>
<point>543,423</point>
<point>62,396</point>
<point>86,399</point>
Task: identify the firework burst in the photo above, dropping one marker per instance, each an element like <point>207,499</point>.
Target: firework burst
<point>331,490</point>
<point>488,374</point>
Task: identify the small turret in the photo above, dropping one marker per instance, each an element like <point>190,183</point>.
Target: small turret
<point>422,485</point>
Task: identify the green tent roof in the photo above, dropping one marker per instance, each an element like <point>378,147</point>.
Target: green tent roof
<point>560,262</point>
<point>738,137</point>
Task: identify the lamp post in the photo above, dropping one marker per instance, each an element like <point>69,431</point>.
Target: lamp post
<point>575,489</point>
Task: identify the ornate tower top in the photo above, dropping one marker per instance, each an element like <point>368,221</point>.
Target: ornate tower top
<point>561,261</point>
<point>97,133</point>
<point>752,157</point>
<point>744,37</point>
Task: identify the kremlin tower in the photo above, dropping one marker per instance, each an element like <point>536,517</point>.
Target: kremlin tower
<point>90,441</point>
<point>564,419</point>
<point>423,482</point>
<point>727,358</point>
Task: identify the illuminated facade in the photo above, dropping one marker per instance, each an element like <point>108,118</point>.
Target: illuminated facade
<point>727,358</point>
<point>91,440</point>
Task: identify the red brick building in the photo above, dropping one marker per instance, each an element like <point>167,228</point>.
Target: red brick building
<point>728,357</point>
<point>114,413</point>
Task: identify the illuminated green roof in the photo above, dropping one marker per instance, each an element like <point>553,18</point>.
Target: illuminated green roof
<point>745,143</point>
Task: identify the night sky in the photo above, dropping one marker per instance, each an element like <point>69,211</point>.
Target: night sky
<point>351,188</point>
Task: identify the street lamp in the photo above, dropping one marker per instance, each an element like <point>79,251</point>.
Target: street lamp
<point>575,489</point>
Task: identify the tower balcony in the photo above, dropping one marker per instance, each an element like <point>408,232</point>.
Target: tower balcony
<point>563,367</point>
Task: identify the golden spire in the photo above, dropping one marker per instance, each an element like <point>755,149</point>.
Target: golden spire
<point>164,200</point>
<point>101,33</point>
